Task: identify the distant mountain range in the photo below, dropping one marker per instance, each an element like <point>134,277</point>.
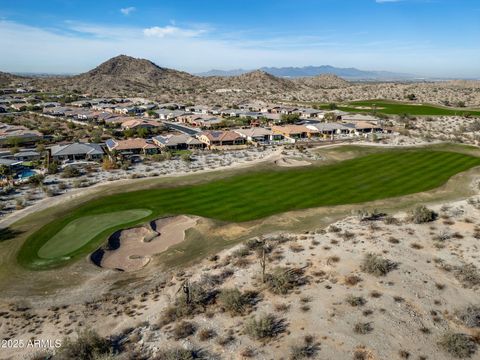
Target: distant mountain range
<point>351,74</point>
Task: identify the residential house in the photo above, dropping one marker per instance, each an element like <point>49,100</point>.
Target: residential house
<point>27,155</point>
<point>131,146</point>
<point>260,135</point>
<point>16,134</point>
<point>76,151</point>
<point>363,127</point>
<point>295,132</point>
<point>329,129</point>
<point>140,124</point>
<point>221,138</point>
<point>310,113</point>
<point>178,142</point>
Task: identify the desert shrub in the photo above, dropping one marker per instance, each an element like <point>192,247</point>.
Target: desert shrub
<point>241,252</point>
<point>307,350</point>
<point>355,300</point>
<point>352,279</point>
<point>390,220</point>
<point>362,328</point>
<point>233,301</point>
<point>282,280</point>
<point>377,265</point>
<point>184,329</point>
<point>421,214</point>
<point>468,275</point>
<point>40,355</point>
<point>469,315</point>
<point>264,327</point>
<point>206,334</point>
<point>199,299</point>
<point>178,353</point>
<point>88,346</point>
<point>368,215</point>
<point>70,171</point>
<point>458,345</point>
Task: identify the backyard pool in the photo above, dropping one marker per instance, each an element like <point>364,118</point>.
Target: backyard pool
<point>26,173</point>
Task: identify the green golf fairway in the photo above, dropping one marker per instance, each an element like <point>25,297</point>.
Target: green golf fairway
<point>397,108</point>
<point>79,232</point>
<point>244,197</point>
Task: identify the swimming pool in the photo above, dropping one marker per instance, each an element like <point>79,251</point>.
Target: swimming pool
<point>26,173</point>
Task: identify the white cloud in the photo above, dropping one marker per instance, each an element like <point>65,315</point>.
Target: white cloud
<point>169,30</point>
<point>126,11</point>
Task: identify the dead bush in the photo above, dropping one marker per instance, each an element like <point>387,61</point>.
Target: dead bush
<point>421,214</point>
<point>377,265</point>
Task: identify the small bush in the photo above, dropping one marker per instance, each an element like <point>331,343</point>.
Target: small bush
<point>376,265</point>
<point>470,316</point>
<point>307,350</point>
<point>233,301</point>
<point>468,275</point>
<point>206,334</point>
<point>264,327</point>
<point>88,346</point>
<point>362,328</point>
<point>70,171</point>
<point>184,329</point>
<point>355,300</point>
<point>178,354</point>
<point>421,214</point>
<point>282,280</point>
<point>458,345</point>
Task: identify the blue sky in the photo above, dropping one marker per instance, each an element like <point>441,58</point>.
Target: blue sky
<point>425,37</point>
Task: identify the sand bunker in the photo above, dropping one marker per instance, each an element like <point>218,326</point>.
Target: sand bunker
<point>289,162</point>
<point>132,249</point>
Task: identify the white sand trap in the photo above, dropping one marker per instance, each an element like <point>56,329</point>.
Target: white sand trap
<point>138,245</point>
<point>288,162</point>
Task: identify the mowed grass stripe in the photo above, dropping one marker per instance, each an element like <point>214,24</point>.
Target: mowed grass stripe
<point>259,194</point>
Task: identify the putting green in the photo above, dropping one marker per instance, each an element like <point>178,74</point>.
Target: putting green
<point>81,231</point>
<point>244,197</point>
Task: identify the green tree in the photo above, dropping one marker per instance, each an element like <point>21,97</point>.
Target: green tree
<point>289,118</point>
